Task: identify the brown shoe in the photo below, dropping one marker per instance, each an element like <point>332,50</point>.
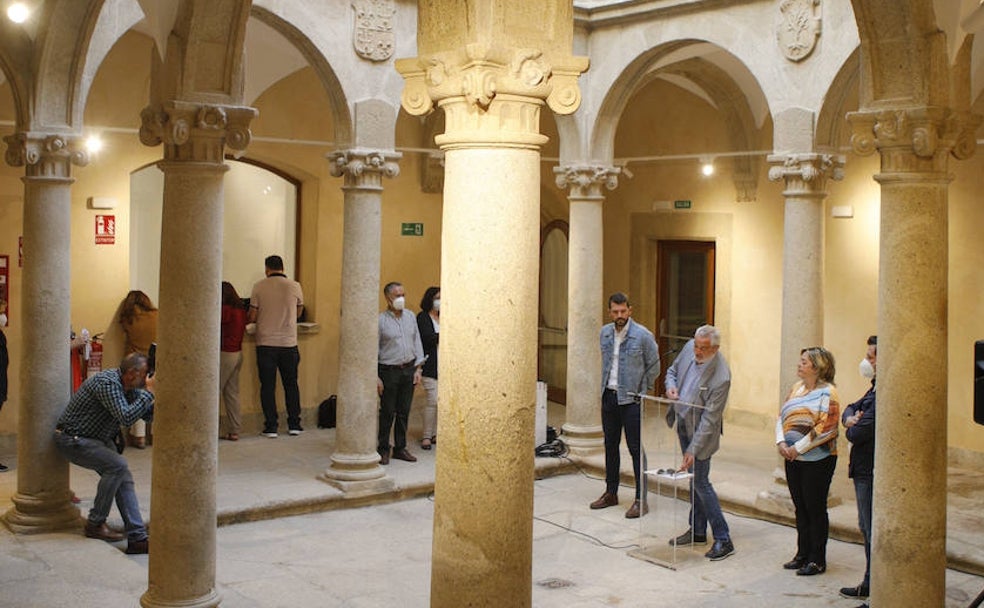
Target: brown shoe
<point>102,532</point>
<point>607,500</point>
<point>384,457</point>
<point>404,455</point>
<point>138,547</point>
<point>634,510</point>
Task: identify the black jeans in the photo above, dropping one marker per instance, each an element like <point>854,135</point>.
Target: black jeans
<point>809,483</point>
<point>614,418</point>
<point>395,404</point>
<point>270,359</point>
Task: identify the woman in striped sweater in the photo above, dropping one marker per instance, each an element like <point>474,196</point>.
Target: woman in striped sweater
<point>806,435</point>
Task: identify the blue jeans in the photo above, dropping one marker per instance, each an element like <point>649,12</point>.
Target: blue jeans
<point>115,481</point>
<point>863,487</point>
<point>614,418</point>
<point>270,359</point>
<point>705,507</point>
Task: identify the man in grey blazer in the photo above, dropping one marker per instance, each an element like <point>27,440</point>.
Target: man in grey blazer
<point>700,376</point>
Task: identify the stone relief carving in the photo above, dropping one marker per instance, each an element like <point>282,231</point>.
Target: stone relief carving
<point>373,37</point>
<point>799,28</point>
<point>45,155</point>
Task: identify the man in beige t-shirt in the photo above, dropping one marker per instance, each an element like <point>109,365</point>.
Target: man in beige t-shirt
<point>275,305</point>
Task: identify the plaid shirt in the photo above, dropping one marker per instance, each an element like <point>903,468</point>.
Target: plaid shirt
<point>100,407</point>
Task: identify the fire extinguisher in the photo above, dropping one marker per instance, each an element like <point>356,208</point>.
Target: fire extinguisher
<point>95,349</point>
<point>78,356</point>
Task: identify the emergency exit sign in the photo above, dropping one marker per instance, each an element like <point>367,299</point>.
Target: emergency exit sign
<point>681,204</point>
<point>412,229</point>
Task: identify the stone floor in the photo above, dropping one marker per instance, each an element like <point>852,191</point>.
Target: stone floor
<point>289,539</point>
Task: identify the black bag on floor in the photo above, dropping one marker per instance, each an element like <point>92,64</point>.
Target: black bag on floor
<point>326,413</point>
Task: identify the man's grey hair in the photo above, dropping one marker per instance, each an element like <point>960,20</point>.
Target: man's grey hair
<point>133,361</point>
<point>388,289</point>
<point>709,331</point>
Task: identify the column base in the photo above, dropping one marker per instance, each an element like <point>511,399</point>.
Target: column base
<point>212,599</point>
<point>584,440</point>
<point>33,515</point>
<point>357,474</point>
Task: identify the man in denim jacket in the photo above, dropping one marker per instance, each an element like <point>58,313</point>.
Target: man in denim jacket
<point>629,366</point>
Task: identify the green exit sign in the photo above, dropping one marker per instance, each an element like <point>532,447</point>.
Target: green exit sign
<point>412,229</point>
<point>681,204</point>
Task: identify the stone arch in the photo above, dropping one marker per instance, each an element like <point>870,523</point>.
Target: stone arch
<point>342,113</point>
<point>717,83</point>
<point>15,53</point>
<point>65,32</point>
<point>830,120</point>
<point>903,53</point>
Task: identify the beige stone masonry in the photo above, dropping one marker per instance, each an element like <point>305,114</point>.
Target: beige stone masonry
<point>908,554</point>
<point>582,429</point>
<point>355,465</point>
<point>489,66</point>
<point>43,499</point>
<point>182,556</point>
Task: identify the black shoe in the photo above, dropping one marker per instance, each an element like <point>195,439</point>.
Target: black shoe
<point>811,569</point>
<point>860,592</point>
<point>688,538</point>
<point>138,547</point>
<point>795,564</point>
<point>384,457</point>
<point>3,467</point>
<point>720,550</point>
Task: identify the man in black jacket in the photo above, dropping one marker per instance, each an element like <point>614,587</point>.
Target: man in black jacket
<point>859,419</point>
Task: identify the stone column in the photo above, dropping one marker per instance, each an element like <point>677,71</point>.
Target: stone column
<point>805,178</point>
<point>355,463</point>
<point>490,80</point>
<point>908,551</point>
<point>182,543</point>
<point>582,429</point>
<point>42,502</point>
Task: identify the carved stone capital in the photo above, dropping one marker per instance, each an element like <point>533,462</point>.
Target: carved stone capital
<point>482,72</point>
<point>364,169</point>
<point>805,174</point>
<point>586,181</point>
<point>196,132</point>
<point>46,155</point>
<point>914,140</point>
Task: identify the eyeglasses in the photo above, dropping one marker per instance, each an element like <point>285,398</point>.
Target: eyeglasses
<point>666,471</point>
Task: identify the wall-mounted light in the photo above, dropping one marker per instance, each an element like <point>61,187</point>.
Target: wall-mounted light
<point>18,12</point>
<point>93,144</point>
<point>707,167</point>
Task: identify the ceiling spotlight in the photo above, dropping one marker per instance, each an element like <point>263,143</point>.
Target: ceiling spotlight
<point>93,144</point>
<point>707,167</point>
<point>18,12</point>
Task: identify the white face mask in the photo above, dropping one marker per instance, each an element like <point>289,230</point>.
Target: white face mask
<point>3,319</point>
<point>399,303</point>
<point>866,369</point>
<point>437,305</point>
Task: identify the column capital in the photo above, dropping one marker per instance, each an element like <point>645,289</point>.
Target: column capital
<point>586,181</point>
<point>364,168</point>
<point>806,173</point>
<point>480,72</point>
<point>48,155</point>
<point>196,132</point>
<point>916,139</point>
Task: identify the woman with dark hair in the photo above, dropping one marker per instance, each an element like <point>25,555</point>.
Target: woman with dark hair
<point>806,437</point>
<point>231,356</point>
<point>138,316</point>
<point>429,324</point>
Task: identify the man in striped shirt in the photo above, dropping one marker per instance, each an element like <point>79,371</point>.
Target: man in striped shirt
<point>84,435</point>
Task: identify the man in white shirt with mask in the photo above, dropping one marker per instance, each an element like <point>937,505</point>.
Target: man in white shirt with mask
<point>401,356</point>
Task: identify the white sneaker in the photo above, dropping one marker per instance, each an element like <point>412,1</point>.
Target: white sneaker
<point>270,435</point>
<point>295,432</point>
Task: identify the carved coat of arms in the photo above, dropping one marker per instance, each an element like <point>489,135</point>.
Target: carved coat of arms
<point>374,38</point>
<point>799,28</point>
